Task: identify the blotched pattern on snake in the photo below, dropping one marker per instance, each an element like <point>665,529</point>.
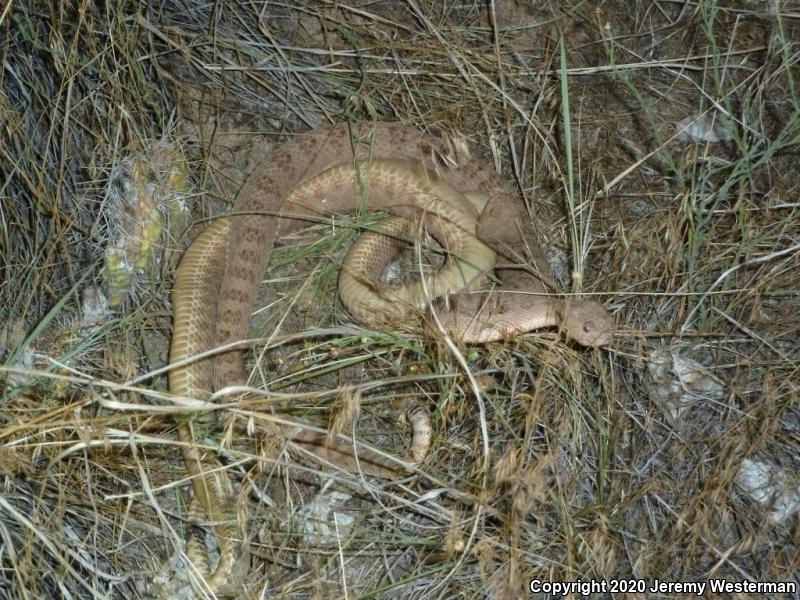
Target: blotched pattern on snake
<point>333,169</point>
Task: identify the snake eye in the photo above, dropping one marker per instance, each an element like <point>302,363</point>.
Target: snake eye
<point>588,327</point>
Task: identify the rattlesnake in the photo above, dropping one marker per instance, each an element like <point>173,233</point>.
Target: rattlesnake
<point>218,276</point>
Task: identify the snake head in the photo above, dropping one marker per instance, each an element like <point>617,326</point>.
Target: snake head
<point>588,323</point>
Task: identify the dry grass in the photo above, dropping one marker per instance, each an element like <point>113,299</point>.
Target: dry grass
<point>601,465</point>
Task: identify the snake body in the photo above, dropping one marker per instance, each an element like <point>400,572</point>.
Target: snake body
<point>390,168</point>
<point>449,216</point>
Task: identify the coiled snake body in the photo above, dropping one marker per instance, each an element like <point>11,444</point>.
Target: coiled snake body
<point>333,169</point>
